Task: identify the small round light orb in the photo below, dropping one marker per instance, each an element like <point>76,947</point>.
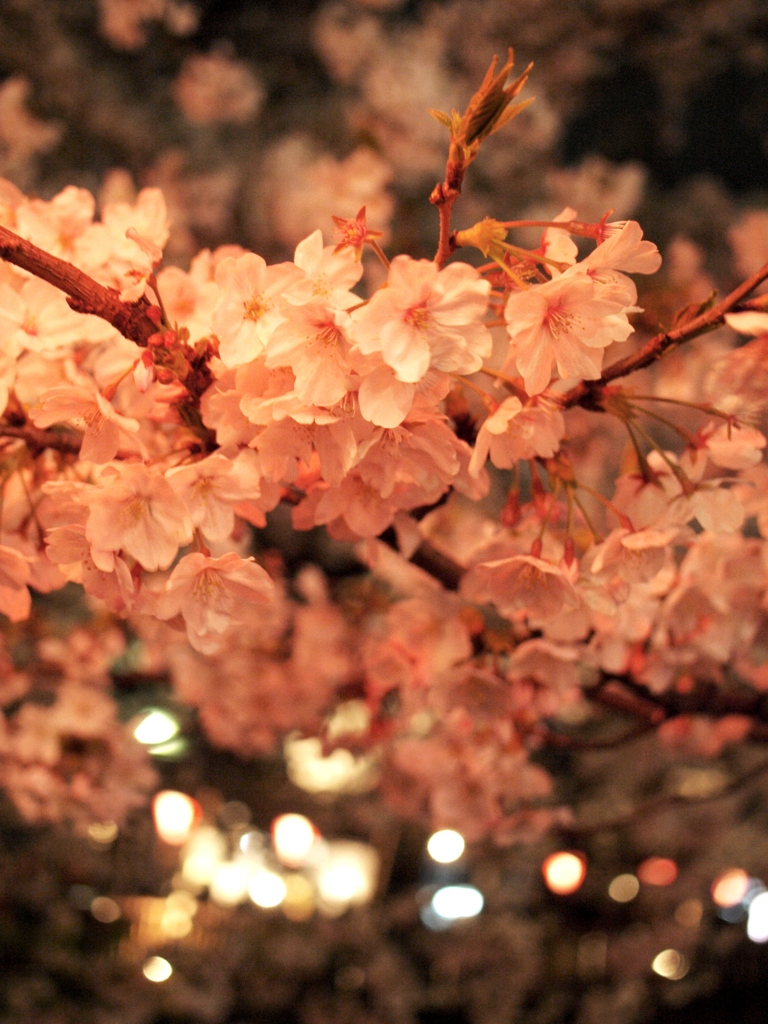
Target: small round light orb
<point>157,969</point>
<point>105,910</point>
<point>102,833</point>
<point>757,922</point>
<point>657,871</point>
<point>175,815</point>
<point>445,846</point>
<point>266,889</point>
<point>730,887</point>
<point>564,872</point>
<point>624,888</point>
<point>293,837</point>
<point>454,902</point>
<point>156,727</point>
<point>670,964</point>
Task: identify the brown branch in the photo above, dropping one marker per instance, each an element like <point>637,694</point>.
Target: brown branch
<point>443,196</point>
<point>663,802</point>
<point>587,393</point>
<point>67,442</point>
<point>84,294</point>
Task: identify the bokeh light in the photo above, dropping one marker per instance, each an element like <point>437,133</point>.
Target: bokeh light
<point>624,888</point>
<point>657,871</point>
<point>730,887</point>
<point>293,837</point>
<point>670,964</point>
<point>564,872</point>
<point>229,885</point>
<point>347,875</point>
<point>175,816</point>
<point>757,922</point>
<point>267,889</point>
<point>105,910</point>
<point>156,727</point>
<point>157,968</point>
<point>445,846</point>
<point>454,902</point>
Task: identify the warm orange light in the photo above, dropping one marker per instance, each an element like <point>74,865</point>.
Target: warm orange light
<point>293,836</point>
<point>564,872</point>
<point>657,871</point>
<point>175,814</point>
<point>730,887</point>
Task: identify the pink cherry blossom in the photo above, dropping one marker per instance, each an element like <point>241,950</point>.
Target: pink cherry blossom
<point>426,317</point>
<point>249,308</point>
<point>135,510</point>
<point>567,322</point>
<point>210,593</point>
<point>106,431</point>
<point>512,433</point>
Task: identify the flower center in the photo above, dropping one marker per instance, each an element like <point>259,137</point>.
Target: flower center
<point>418,318</point>
<point>256,307</point>
<point>559,322</point>
<point>208,586</point>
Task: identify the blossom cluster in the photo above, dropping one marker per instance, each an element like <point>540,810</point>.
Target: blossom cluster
<point>134,468</point>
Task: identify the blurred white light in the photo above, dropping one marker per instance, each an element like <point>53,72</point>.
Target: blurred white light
<point>266,889</point>
<point>175,815</point>
<point>205,849</point>
<point>293,836</point>
<point>157,968</point>
<point>670,964</point>
<point>338,772</point>
<point>757,922</point>
<point>564,872</point>
<point>229,886</point>
<point>157,727</point>
<point>347,875</point>
<point>445,846</point>
<point>453,902</point>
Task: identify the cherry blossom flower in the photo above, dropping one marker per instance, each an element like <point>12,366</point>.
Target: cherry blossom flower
<point>249,309</point>
<point>210,592</point>
<point>426,317</point>
<point>38,319</point>
<point>209,489</point>
<point>521,583</point>
<point>567,321</point>
<point>512,433</point>
<point>313,341</point>
<point>83,406</point>
<point>15,599</point>
<point>329,274</point>
<point>135,510</point>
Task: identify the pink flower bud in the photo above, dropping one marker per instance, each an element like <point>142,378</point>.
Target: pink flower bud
<point>144,372</point>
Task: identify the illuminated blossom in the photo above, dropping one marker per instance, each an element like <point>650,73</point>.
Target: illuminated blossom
<point>566,322</point>
<point>136,510</point>
<point>210,594</point>
<point>249,308</point>
<point>105,430</point>
<point>512,433</point>
<point>426,317</point>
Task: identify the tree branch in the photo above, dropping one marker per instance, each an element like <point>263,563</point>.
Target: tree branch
<point>84,294</point>
<point>588,392</point>
<point>36,440</point>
